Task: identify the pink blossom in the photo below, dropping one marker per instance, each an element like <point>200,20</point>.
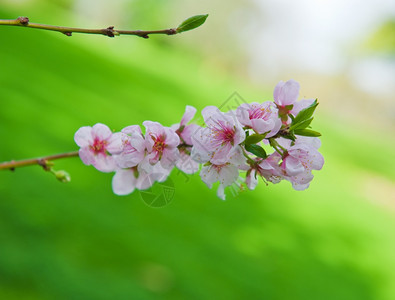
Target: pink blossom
<point>226,173</point>
<point>161,144</point>
<point>298,163</point>
<point>98,144</point>
<point>185,131</point>
<point>286,93</point>
<point>263,118</point>
<point>185,163</point>
<point>267,168</point>
<point>125,181</point>
<point>219,140</point>
<point>134,147</point>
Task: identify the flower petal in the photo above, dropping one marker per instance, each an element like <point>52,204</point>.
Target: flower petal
<point>172,139</point>
<point>83,136</point>
<point>190,112</point>
<point>169,158</point>
<point>251,180</point>
<point>86,156</point>
<point>132,129</point>
<point>286,93</point>
<point>115,143</point>
<point>293,166</point>
<point>209,175</point>
<point>124,182</point>
<point>104,163</point>
<point>101,131</point>
<point>228,174</point>
<point>221,192</point>
<point>186,164</point>
<point>188,132</point>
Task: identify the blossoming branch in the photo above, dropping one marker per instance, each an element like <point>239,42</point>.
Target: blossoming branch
<point>228,145</point>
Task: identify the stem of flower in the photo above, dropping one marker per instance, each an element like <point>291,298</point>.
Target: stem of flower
<point>43,161</point>
<point>109,31</point>
<point>277,147</point>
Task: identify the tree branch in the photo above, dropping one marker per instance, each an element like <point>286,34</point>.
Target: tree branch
<point>43,161</point>
<point>109,31</point>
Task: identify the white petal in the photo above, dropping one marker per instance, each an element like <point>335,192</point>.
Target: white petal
<point>190,112</point>
<point>101,131</point>
<point>286,93</point>
<point>104,164</point>
<point>186,164</point>
<point>188,132</point>
<point>83,136</point>
<point>228,174</point>
<point>221,192</point>
<point>132,129</point>
<point>123,182</point>
<point>209,175</point>
<point>172,138</point>
<point>115,143</point>
<point>293,166</point>
<point>86,156</point>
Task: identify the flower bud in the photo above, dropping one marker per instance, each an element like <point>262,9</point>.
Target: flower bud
<point>62,176</point>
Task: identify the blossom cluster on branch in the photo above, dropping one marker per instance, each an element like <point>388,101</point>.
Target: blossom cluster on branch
<point>226,145</point>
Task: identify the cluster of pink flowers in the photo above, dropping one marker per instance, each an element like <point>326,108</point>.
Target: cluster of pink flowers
<point>227,145</point>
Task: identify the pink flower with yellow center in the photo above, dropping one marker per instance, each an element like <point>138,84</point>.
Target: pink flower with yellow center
<point>161,144</point>
<point>285,96</point>
<point>218,141</point>
<point>227,173</point>
<point>98,144</point>
<point>299,161</point>
<point>262,118</point>
<point>133,147</point>
<point>267,168</point>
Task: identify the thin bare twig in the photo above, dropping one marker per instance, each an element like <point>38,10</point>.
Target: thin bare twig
<point>43,161</point>
<point>109,31</point>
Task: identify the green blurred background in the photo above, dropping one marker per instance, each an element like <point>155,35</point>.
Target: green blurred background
<point>79,241</point>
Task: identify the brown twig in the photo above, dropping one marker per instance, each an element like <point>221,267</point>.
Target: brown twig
<point>109,31</point>
<point>43,161</point>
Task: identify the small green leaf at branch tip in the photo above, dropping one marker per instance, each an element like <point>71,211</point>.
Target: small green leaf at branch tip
<point>191,23</point>
<point>307,132</point>
<point>253,139</point>
<point>257,150</point>
<point>304,114</point>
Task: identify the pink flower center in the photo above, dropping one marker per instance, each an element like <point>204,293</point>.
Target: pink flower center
<point>159,144</point>
<point>259,112</point>
<point>219,167</point>
<point>99,146</point>
<point>223,134</point>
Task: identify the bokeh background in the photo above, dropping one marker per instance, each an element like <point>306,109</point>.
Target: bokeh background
<point>78,240</point>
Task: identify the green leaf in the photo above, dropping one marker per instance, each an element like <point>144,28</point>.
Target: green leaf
<point>301,125</point>
<point>253,139</point>
<point>305,114</point>
<point>307,132</point>
<point>247,133</point>
<point>257,150</point>
<point>191,23</point>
